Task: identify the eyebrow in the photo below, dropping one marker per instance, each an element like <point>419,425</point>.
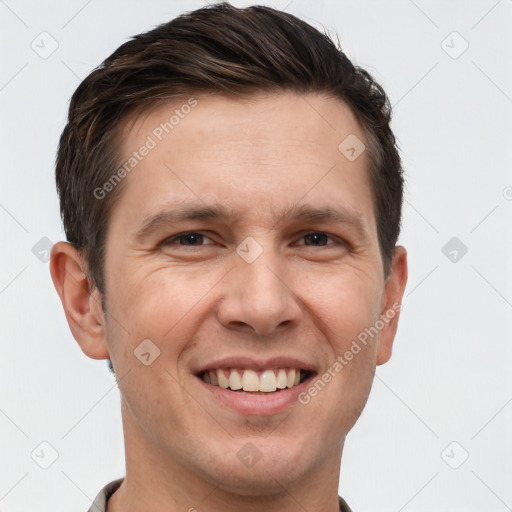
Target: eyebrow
<point>220,212</point>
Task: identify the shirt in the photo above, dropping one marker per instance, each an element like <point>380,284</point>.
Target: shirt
<point>100,502</point>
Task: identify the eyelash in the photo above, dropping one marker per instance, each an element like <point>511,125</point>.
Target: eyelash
<point>173,238</point>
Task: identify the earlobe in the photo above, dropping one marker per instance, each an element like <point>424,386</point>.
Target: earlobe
<point>81,303</point>
<point>391,303</point>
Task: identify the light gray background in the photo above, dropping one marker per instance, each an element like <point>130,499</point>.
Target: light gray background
<point>449,377</point>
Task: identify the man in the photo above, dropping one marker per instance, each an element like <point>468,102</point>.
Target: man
<point>231,194</point>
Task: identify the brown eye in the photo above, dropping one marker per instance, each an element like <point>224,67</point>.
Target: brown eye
<point>190,239</point>
<point>318,239</point>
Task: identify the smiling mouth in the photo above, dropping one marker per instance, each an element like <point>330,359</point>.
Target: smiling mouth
<point>251,381</point>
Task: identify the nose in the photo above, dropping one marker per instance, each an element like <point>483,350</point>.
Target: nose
<point>258,298</point>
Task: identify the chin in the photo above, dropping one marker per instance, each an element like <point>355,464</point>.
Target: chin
<point>252,482</point>
<point>261,466</point>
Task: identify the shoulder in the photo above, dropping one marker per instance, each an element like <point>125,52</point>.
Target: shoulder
<point>343,505</point>
<point>100,502</point>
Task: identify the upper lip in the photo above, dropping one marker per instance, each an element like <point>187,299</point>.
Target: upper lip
<point>256,364</point>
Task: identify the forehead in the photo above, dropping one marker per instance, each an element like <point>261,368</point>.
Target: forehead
<point>255,155</point>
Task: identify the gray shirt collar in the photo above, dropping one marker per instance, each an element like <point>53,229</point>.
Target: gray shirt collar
<point>100,502</point>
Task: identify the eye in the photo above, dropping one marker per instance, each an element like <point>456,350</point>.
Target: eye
<point>195,239</point>
<point>190,239</point>
<point>317,239</point>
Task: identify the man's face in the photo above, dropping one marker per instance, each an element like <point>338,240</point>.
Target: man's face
<point>255,291</point>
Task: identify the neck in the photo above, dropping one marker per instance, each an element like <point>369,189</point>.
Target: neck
<point>158,482</point>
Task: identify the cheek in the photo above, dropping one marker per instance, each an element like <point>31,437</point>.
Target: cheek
<point>346,300</point>
<point>158,300</point>
<point>167,306</point>
<point>157,308</point>
<point>347,304</point>
<point>335,404</point>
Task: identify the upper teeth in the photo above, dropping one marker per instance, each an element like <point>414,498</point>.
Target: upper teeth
<point>249,380</point>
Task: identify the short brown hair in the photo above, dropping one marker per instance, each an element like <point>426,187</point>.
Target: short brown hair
<point>222,49</point>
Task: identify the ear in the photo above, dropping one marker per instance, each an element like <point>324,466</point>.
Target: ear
<point>391,303</point>
<point>80,300</point>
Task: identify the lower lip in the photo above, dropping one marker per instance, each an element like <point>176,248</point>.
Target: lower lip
<point>261,403</point>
